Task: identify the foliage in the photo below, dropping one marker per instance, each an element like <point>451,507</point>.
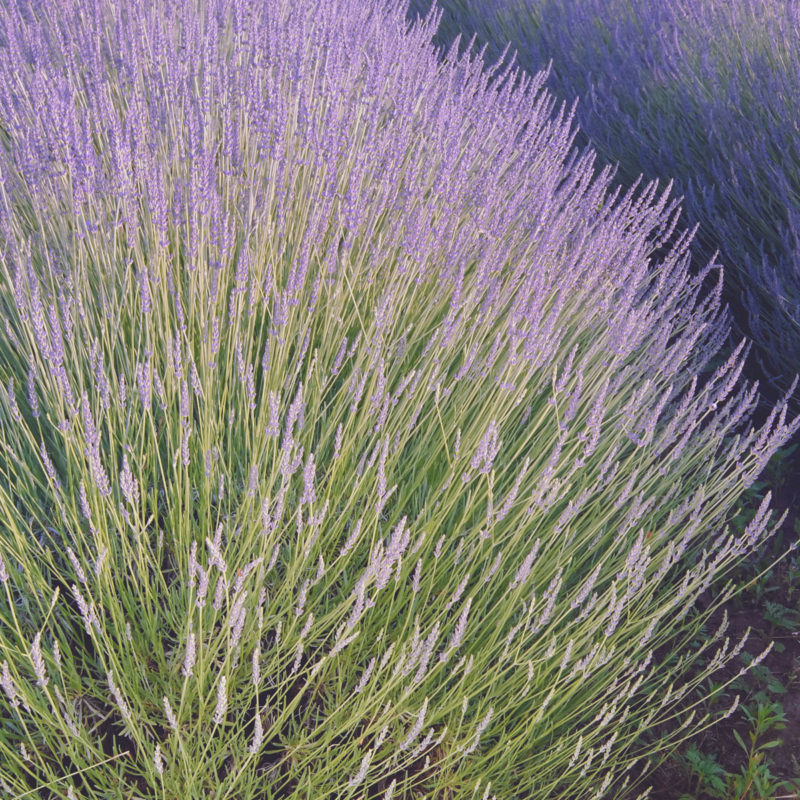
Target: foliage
<point>356,439</point>
<point>754,780</point>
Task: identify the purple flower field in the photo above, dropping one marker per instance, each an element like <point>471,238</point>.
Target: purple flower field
<point>361,435</point>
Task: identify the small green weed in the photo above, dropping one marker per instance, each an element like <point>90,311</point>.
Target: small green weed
<point>755,780</point>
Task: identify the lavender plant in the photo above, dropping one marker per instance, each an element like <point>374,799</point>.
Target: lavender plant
<point>702,92</point>
<point>352,439</point>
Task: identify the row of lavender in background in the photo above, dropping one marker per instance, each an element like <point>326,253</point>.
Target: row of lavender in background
<point>704,93</point>
<point>356,437</point>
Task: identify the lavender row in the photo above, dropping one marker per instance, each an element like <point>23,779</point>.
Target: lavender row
<point>704,93</point>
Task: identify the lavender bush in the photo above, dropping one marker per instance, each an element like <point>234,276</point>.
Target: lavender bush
<point>354,440</point>
<point>704,92</point>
